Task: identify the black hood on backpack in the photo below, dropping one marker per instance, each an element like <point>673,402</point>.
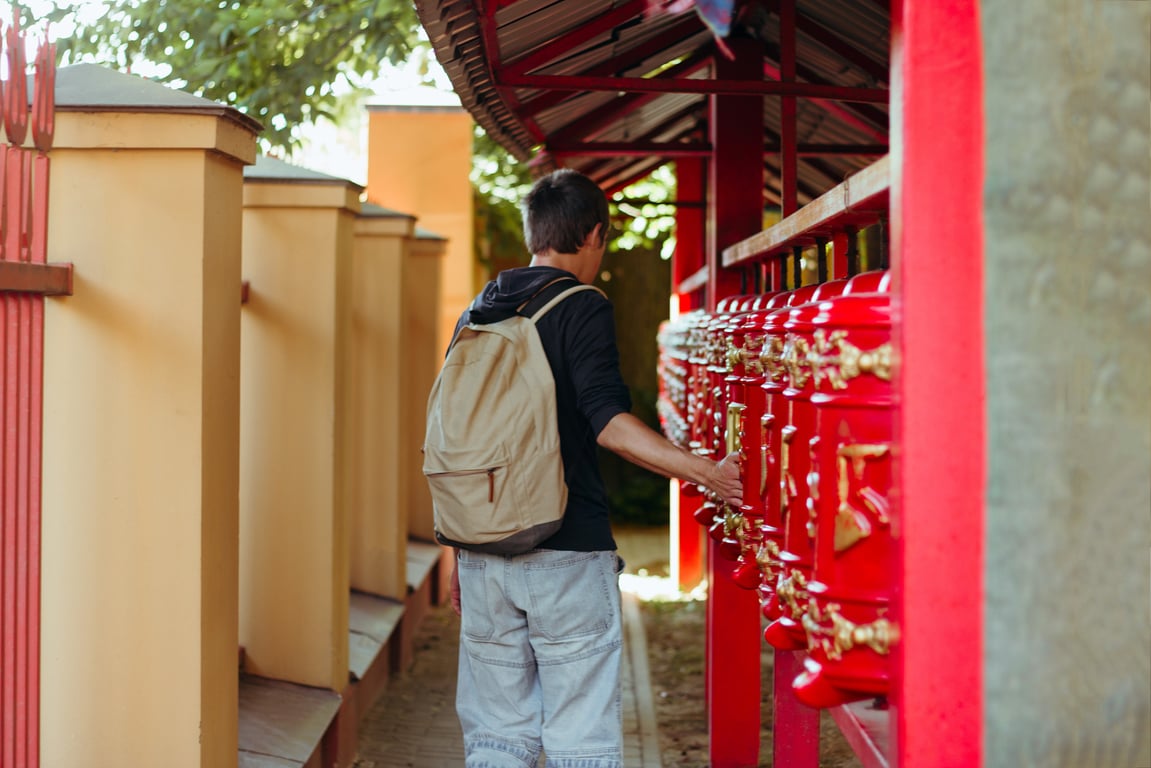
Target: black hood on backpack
<point>503,296</point>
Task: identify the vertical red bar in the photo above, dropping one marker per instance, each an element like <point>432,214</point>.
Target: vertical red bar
<point>777,279</point>
<point>690,223</point>
<point>733,675</point>
<point>795,727</point>
<point>35,454</point>
<point>10,552</point>
<point>689,539</point>
<point>840,247</point>
<point>788,150</point>
<point>735,212</point>
<point>937,270</point>
<point>735,187</point>
<point>689,258</point>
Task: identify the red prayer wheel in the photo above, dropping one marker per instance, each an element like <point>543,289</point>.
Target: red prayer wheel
<point>845,617</point>
<point>737,533</point>
<point>744,425</point>
<point>759,557</point>
<point>774,419</point>
<point>709,422</point>
<point>796,487</point>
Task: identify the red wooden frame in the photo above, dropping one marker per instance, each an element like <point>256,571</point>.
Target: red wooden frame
<point>625,61</point>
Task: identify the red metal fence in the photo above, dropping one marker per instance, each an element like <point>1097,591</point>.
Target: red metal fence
<point>25,279</point>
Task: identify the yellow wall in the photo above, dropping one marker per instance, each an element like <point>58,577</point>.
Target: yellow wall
<point>294,587</point>
<point>423,354</point>
<point>419,161</point>
<point>141,396</point>
<point>377,484</point>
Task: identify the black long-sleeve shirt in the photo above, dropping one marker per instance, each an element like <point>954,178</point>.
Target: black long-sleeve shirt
<point>578,337</point>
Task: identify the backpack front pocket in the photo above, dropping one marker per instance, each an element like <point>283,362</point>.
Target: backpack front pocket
<point>471,493</point>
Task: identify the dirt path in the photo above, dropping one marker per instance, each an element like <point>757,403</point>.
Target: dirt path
<point>675,640</point>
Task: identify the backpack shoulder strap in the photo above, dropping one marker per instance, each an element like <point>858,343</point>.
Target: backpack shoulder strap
<point>535,316</point>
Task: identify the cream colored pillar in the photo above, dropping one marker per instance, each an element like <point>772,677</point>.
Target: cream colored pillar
<point>420,160</point>
<point>422,358</point>
<point>298,239</point>
<point>141,430</point>
<point>376,480</point>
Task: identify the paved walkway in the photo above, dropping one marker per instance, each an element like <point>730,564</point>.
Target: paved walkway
<point>414,725</point>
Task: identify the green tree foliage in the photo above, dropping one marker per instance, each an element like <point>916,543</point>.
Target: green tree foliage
<point>284,62</point>
<point>499,182</point>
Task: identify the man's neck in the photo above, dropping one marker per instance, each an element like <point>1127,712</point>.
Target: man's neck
<point>569,262</point>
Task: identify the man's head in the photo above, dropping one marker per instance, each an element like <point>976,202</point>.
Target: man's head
<point>561,210</point>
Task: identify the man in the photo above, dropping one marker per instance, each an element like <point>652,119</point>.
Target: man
<point>540,633</point>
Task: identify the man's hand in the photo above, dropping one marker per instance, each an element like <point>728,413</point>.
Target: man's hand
<point>641,445</point>
<point>725,480</point>
<point>455,589</point>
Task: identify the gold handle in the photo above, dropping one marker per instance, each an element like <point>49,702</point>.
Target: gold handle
<point>853,524</point>
<point>765,556</point>
<point>844,635</point>
<point>792,591</point>
<point>786,481</point>
<point>734,355</point>
<point>796,352</point>
<point>839,361</point>
<point>734,438</point>
<point>771,358</point>
<point>765,423</point>
<point>813,486</point>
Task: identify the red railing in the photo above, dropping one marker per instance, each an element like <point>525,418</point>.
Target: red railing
<point>25,279</point>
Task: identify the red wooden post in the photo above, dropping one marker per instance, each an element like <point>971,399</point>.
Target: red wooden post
<point>689,257</point>
<point>937,266</point>
<point>690,225</point>
<point>841,244</point>
<point>735,188</point>
<point>788,156</point>
<point>735,212</point>
<point>777,280</point>
<point>795,727</point>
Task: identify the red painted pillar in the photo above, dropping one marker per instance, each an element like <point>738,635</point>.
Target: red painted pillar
<point>735,212</point>
<point>735,188</point>
<point>689,257</point>
<point>788,112</point>
<point>690,224</point>
<point>937,271</point>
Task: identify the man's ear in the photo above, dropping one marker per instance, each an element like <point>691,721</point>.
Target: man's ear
<point>596,237</point>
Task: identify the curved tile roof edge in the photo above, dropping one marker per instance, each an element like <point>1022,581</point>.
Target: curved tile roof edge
<point>458,44</point>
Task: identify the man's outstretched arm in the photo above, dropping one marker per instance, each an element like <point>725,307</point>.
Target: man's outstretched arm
<point>635,441</point>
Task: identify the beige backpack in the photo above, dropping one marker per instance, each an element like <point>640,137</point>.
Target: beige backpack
<point>492,448</point>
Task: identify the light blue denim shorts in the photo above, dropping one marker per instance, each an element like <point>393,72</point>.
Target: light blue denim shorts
<point>540,639</point>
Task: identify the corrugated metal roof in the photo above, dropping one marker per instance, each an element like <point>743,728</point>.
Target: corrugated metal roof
<point>838,43</point>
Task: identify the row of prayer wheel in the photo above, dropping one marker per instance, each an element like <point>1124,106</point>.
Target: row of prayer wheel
<point>800,383</point>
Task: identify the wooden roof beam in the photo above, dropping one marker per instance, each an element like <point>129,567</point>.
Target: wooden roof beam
<point>656,131</point>
<point>667,149</point>
<point>849,114</point>
<point>594,123</point>
<point>693,85</point>
<point>691,25</point>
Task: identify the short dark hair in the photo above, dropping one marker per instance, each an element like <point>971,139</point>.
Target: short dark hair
<point>560,211</point>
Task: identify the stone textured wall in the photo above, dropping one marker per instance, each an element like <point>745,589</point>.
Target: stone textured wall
<point>1068,339</point>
